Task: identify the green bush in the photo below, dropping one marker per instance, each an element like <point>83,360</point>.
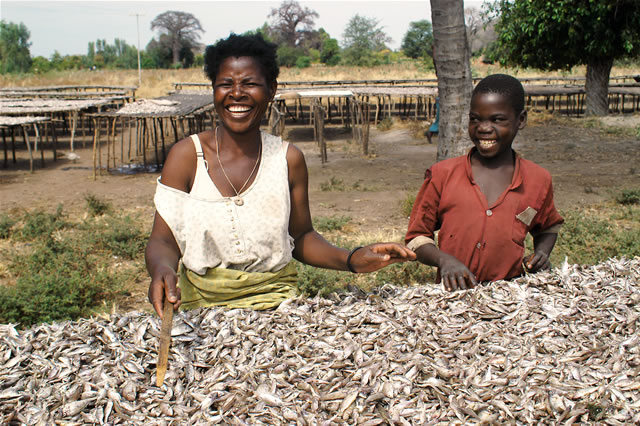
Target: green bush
<point>408,273</point>
<point>303,62</point>
<point>587,239</point>
<point>385,124</point>
<point>118,235</point>
<point>59,280</point>
<point>330,223</point>
<point>39,224</point>
<point>95,206</point>
<point>68,274</point>
<point>6,223</point>
<point>333,184</point>
<point>406,204</point>
<point>631,196</point>
<point>314,281</point>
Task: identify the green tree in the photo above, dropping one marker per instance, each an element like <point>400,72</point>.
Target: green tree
<point>14,47</point>
<point>330,53</point>
<point>361,38</point>
<point>40,65</point>
<point>418,40</point>
<point>181,30</point>
<point>560,34</point>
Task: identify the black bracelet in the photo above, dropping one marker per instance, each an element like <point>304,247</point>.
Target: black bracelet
<point>349,259</point>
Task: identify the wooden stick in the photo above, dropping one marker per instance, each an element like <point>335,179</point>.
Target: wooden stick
<point>165,342</point>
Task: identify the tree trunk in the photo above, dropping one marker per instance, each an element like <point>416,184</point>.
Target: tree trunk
<point>176,51</point>
<point>597,87</point>
<point>454,76</point>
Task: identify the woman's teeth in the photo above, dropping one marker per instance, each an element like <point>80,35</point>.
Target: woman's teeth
<point>238,108</point>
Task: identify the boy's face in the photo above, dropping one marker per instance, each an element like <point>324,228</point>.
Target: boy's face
<point>493,123</point>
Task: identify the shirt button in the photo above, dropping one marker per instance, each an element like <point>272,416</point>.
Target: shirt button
<point>237,243</point>
<point>479,245</point>
<point>489,212</point>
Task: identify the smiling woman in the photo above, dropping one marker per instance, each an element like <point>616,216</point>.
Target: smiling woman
<point>232,207</point>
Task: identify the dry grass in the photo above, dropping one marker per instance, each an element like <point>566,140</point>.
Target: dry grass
<point>160,82</point>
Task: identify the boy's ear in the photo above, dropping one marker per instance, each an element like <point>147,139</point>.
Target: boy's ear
<point>274,88</point>
<point>522,119</point>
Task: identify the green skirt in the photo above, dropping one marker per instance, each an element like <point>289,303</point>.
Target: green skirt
<point>237,289</point>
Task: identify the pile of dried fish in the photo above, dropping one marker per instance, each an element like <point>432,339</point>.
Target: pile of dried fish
<point>554,347</point>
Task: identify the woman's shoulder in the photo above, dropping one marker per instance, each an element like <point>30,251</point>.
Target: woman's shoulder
<point>179,167</point>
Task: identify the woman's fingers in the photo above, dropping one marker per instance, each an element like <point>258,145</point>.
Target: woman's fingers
<point>164,287</point>
<point>394,250</point>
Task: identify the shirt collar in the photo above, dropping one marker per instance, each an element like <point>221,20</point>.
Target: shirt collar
<point>516,181</point>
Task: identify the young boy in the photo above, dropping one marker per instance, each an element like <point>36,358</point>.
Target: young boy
<point>486,202</point>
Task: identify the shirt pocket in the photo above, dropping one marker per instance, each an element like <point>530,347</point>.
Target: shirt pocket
<point>522,223</point>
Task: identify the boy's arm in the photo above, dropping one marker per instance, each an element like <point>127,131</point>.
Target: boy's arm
<point>454,274</point>
<point>542,246</point>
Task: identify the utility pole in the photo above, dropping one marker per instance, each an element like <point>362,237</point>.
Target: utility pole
<point>137,15</point>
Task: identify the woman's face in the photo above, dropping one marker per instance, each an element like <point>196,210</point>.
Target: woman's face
<point>241,94</point>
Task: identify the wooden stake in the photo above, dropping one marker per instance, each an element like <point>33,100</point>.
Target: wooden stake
<point>165,342</point>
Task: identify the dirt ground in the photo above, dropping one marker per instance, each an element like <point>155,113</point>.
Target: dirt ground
<point>590,161</point>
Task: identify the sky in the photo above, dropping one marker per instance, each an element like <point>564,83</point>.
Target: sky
<point>68,26</point>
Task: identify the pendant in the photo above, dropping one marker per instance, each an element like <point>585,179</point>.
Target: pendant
<point>238,201</point>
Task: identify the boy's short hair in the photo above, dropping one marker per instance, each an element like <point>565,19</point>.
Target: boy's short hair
<point>242,45</point>
<point>505,85</point>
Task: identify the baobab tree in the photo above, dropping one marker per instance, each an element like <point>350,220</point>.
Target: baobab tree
<point>291,21</point>
<point>451,51</point>
<point>182,29</point>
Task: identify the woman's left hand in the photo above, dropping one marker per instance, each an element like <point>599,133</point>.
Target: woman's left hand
<point>375,256</point>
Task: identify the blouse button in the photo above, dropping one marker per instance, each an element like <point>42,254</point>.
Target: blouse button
<point>479,245</point>
<point>489,212</point>
<point>237,243</point>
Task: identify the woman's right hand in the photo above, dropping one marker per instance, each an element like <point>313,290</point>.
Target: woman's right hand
<point>164,287</point>
<point>455,275</point>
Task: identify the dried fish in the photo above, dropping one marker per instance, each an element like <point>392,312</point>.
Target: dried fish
<point>557,347</point>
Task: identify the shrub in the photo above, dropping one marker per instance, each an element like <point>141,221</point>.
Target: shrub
<point>314,281</point>
<point>118,235</point>
<point>631,196</point>
<point>330,223</point>
<point>68,274</point>
<point>333,184</point>
<point>406,204</point>
<point>303,62</point>
<point>6,223</point>
<point>39,224</point>
<point>95,206</point>
<point>588,239</point>
<point>385,124</point>
<point>58,281</point>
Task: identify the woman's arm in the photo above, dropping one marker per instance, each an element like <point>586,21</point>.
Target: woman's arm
<point>311,248</point>
<point>162,253</point>
<point>162,256</point>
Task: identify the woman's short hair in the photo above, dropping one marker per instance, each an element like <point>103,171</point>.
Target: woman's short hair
<point>242,45</point>
<point>505,85</point>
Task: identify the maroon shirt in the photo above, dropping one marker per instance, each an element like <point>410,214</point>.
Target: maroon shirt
<point>489,240</point>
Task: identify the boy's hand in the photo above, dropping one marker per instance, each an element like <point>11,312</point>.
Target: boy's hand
<point>455,275</point>
<point>537,261</point>
<point>375,256</point>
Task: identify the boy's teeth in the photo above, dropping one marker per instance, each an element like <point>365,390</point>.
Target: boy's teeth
<point>487,143</point>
